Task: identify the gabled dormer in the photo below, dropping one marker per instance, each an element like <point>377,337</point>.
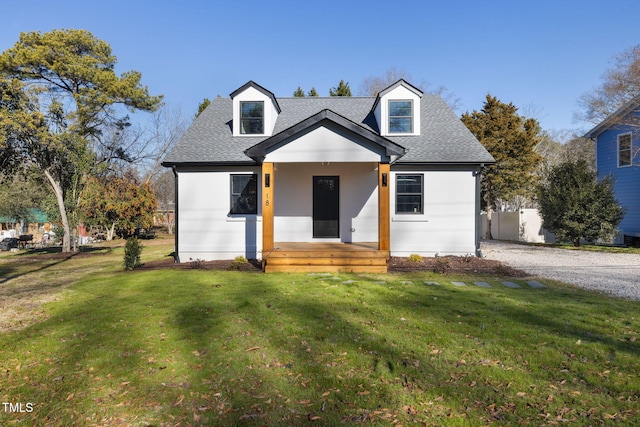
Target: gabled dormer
<point>255,110</point>
<point>397,110</point>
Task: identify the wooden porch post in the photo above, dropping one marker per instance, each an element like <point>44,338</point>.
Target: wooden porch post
<point>384,232</point>
<point>267,208</point>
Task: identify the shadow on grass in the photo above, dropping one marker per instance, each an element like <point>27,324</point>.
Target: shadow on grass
<point>7,273</point>
<point>204,348</point>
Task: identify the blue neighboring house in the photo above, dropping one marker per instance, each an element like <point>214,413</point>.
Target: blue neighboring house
<point>617,140</point>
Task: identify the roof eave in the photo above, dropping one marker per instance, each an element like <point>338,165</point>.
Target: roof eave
<point>170,164</point>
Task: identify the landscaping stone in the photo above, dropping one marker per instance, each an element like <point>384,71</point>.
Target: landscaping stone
<point>458,283</point>
<point>432,283</point>
<point>535,284</point>
<point>511,285</point>
<point>482,284</point>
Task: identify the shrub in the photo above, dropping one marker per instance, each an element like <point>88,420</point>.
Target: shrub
<point>415,258</point>
<point>238,262</point>
<point>575,205</point>
<point>502,270</point>
<point>468,258</point>
<point>197,264</point>
<point>441,265</point>
<point>132,252</point>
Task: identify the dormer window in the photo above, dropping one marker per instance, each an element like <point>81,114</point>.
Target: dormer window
<point>401,116</point>
<point>397,110</point>
<point>255,111</point>
<point>251,117</point>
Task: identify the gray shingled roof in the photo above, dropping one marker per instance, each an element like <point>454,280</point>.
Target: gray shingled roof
<point>443,139</point>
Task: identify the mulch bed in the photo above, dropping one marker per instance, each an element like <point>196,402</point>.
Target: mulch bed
<point>454,264</point>
<point>447,264</point>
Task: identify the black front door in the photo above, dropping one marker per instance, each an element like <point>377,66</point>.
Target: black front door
<point>326,206</point>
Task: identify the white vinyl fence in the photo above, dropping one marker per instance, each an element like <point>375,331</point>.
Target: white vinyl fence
<point>524,225</point>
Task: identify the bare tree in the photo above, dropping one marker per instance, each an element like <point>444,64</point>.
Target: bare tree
<point>164,188</point>
<point>372,85</point>
<point>580,148</point>
<point>166,127</point>
<point>620,86</point>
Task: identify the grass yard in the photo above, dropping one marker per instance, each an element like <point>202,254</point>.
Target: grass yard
<point>201,348</point>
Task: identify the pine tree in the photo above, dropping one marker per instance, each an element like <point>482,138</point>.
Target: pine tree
<point>575,205</point>
<point>203,105</point>
<point>342,89</point>
<point>299,93</point>
<point>312,92</point>
<point>511,139</point>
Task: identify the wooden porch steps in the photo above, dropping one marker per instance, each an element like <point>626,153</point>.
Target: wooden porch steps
<point>319,258</point>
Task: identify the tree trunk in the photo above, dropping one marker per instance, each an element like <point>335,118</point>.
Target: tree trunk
<point>110,232</point>
<point>169,219</point>
<point>57,189</point>
<point>488,234</point>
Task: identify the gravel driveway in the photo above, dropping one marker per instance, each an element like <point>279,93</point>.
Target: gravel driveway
<point>614,274</point>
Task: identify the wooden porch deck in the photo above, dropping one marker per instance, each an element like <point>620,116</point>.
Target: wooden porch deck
<point>360,257</point>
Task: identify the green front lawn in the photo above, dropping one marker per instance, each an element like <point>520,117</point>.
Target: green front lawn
<point>196,347</point>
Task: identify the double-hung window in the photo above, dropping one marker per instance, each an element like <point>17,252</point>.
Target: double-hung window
<point>409,193</point>
<point>252,117</point>
<point>244,194</point>
<point>400,117</point>
<point>624,150</point>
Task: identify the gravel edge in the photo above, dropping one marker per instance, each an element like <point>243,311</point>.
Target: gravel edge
<point>612,274</point>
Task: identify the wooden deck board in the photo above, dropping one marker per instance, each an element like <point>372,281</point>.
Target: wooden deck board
<point>326,257</point>
<point>326,246</point>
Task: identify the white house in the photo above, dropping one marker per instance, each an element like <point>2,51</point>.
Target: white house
<point>317,184</point>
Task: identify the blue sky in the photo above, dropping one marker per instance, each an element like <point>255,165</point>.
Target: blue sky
<point>541,55</point>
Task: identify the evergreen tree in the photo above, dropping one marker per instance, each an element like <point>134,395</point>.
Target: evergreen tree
<point>511,139</point>
<point>342,89</point>
<point>299,93</point>
<point>203,105</point>
<point>312,92</point>
<point>575,206</point>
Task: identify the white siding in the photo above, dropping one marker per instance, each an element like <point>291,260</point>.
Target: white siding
<point>325,144</point>
<point>206,231</point>
<point>294,201</point>
<point>447,225</point>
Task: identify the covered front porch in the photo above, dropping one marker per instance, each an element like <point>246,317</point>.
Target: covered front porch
<point>325,217</point>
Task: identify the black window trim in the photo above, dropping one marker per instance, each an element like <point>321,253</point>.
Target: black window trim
<point>421,212</point>
<point>231,194</point>
<point>412,117</point>
<point>251,118</point>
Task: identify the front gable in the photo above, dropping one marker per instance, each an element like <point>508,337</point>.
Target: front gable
<point>326,137</point>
